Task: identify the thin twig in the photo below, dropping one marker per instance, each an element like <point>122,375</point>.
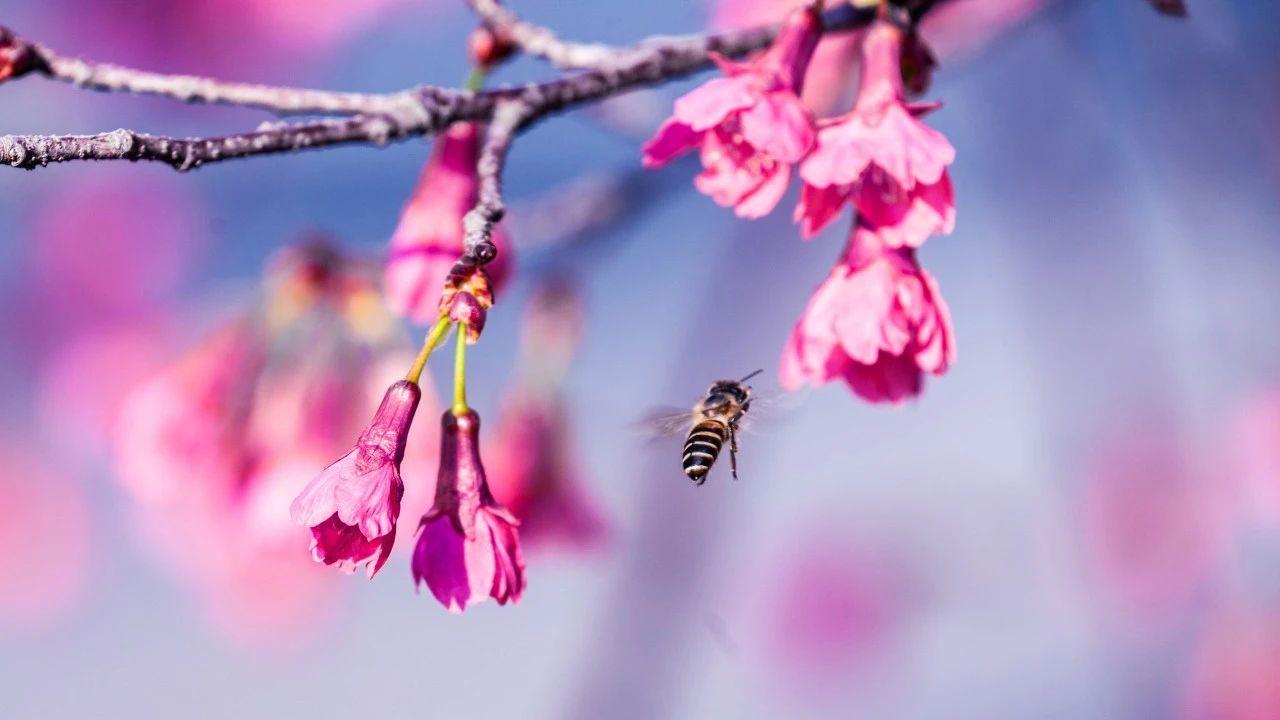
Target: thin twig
<point>541,42</point>
<point>478,224</point>
<point>194,89</point>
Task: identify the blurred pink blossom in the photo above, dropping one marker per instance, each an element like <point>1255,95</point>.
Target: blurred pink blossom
<point>74,404</point>
<point>750,125</point>
<point>215,448</point>
<point>46,536</point>
<point>468,547</point>
<point>833,607</point>
<point>533,469</point>
<point>1235,669</point>
<point>890,164</point>
<point>878,322</point>
<point>250,39</point>
<point>1254,444</point>
<point>429,238</point>
<point>1153,526</point>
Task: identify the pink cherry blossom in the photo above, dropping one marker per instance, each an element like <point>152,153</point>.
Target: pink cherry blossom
<point>877,322</point>
<point>468,546</point>
<point>353,505</point>
<point>880,156</point>
<point>429,238</point>
<point>177,431</point>
<point>750,125</point>
<point>830,74</point>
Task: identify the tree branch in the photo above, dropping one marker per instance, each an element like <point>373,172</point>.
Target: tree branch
<point>194,89</point>
<point>425,110</point>
<point>478,224</point>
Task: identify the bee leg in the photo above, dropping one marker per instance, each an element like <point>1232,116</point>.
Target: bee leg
<point>733,451</point>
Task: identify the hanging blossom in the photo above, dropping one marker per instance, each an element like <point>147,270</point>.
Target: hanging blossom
<point>880,157</point>
<point>352,507</point>
<point>429,238</point>
<point>468,547</point>
<point>877,322</point>
<point>750,126</point>
<point>534,472</point>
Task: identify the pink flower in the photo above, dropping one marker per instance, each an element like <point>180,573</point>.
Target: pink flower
<point>352,506</point>
<point>750,125</point>
<point>468,546</point>
<point>828,79</point>
<point>877,322</point>
<point>880,156</point>
<point>429,238</point>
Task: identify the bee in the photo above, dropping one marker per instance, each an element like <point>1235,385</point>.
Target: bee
<point>713,420</point>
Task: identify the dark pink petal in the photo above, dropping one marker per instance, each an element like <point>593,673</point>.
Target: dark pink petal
<point>674,138</point>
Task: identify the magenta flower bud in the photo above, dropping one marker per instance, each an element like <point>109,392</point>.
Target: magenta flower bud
<point>352,506</point>
<point>464,308</point>
<point>468,547</point>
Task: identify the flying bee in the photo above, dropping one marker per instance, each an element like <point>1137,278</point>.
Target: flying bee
<point>713,420</point>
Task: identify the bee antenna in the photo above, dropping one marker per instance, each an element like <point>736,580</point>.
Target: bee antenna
<point>751,375</point>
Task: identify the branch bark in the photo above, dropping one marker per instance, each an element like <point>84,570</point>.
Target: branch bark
<point>379,118</point>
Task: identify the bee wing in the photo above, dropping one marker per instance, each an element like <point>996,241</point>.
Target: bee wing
<point>665,420</point>
<point>769,409</point>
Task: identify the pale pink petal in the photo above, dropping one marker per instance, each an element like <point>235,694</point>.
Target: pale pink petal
<point>779,125</point>
<point>710,103</point>
<point>766,196</point>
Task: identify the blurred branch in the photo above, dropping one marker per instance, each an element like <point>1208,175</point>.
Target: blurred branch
<point>540,41</point>
<point>379,119</point>
<point>193,89</point>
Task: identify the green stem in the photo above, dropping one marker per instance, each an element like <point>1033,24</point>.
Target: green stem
<point>475,80</point>
<point>460,373</point>
<point>434,338</point>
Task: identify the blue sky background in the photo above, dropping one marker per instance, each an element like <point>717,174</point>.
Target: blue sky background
<point>1115,257</point>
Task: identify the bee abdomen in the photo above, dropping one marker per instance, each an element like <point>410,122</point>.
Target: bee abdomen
<point>702,447</point>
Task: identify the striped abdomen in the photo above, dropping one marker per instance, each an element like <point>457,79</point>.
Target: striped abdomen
<point>702,447</point>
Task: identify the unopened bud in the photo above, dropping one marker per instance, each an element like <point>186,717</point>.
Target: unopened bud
<point>16,56</point>
<point>488,48</point>
<point>465,308</point>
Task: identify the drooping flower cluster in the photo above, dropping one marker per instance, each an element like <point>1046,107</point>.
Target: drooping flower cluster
<point>468,547</point>
<point>878,322</point>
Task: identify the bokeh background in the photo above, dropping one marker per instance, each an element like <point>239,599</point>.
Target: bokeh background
<point>1081,520</point>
